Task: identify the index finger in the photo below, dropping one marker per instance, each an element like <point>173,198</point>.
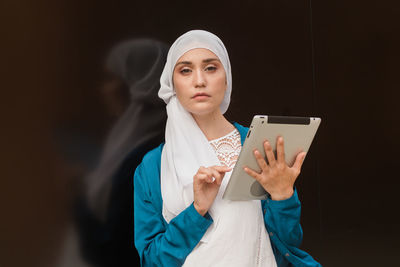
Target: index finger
<point>217,175</point>
<point>222,168</point>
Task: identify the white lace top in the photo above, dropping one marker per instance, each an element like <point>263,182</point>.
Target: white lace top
<point>237,236</point>
<point>227,148</point>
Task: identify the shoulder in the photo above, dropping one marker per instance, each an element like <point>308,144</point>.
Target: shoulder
<point>147,174</point>
<point>153,156</point>
<point>240,127</point>
<point>242,130</point>
<point>151,163</point>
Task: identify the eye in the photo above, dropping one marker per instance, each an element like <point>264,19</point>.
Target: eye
<point>211,68</point>
<point>185,70</point>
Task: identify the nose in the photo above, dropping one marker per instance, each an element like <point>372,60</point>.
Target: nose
<point>199,78</point>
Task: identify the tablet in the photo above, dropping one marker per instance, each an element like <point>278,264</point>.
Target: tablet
<point>297,133</point>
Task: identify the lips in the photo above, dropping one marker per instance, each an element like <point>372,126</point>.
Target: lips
<point>201,95</point>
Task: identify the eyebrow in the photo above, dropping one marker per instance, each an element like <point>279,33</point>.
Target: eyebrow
<point>208,60</point>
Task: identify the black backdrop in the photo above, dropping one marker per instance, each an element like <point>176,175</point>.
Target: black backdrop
<point>334,59</point>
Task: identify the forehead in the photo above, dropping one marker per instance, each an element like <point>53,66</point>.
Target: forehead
<point>197,54</point>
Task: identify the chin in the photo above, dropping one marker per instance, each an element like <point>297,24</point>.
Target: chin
<point>202,108</point>
<point>202,111</point>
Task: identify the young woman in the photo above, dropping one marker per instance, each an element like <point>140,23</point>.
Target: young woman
<point>180,216</point>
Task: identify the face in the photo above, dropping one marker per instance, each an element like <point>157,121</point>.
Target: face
<point>200,81</point>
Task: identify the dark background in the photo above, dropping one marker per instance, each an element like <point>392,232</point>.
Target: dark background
<point>337,60</point>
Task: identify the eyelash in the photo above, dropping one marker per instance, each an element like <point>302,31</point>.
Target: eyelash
<point>183,71</point>
<point>210,68</point>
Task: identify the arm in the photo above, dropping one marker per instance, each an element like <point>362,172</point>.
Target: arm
<point>282,221</point>
<point>282,218</point>
<point>159,243</point>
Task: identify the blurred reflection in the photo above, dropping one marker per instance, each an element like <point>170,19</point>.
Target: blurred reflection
<point>102,234</point>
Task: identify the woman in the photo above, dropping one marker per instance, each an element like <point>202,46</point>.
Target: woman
<point>180,217</point>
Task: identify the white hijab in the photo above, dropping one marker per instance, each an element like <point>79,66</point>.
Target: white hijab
<point>186,147</point>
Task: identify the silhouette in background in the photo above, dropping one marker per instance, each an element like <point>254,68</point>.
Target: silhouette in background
<point>104,211</point>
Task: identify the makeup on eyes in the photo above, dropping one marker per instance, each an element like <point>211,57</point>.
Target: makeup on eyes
<point>207,68</point>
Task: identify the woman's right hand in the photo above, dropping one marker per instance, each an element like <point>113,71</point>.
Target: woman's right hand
<point>206,183</point>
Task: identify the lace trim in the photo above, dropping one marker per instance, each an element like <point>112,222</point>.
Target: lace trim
<point>227,148</point>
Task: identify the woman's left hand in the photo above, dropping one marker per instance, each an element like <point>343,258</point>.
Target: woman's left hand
<point>276,177</point>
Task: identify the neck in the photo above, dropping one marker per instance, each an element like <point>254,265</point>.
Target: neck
<point>213,125</point>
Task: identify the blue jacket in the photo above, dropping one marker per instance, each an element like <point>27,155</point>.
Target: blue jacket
<point>163,244</point>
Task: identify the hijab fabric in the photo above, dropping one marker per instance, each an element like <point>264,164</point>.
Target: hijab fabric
<point>186,147</point>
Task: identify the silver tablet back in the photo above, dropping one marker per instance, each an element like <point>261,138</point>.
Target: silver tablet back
<point>297,132</point>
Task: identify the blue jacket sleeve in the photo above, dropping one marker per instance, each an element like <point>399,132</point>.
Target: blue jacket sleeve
<point>160,243</point>
<point>282,220</point>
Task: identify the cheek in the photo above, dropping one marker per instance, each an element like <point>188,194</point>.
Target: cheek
<point>181,93</point>
<point>222,84</point>
<point>177,85</point>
